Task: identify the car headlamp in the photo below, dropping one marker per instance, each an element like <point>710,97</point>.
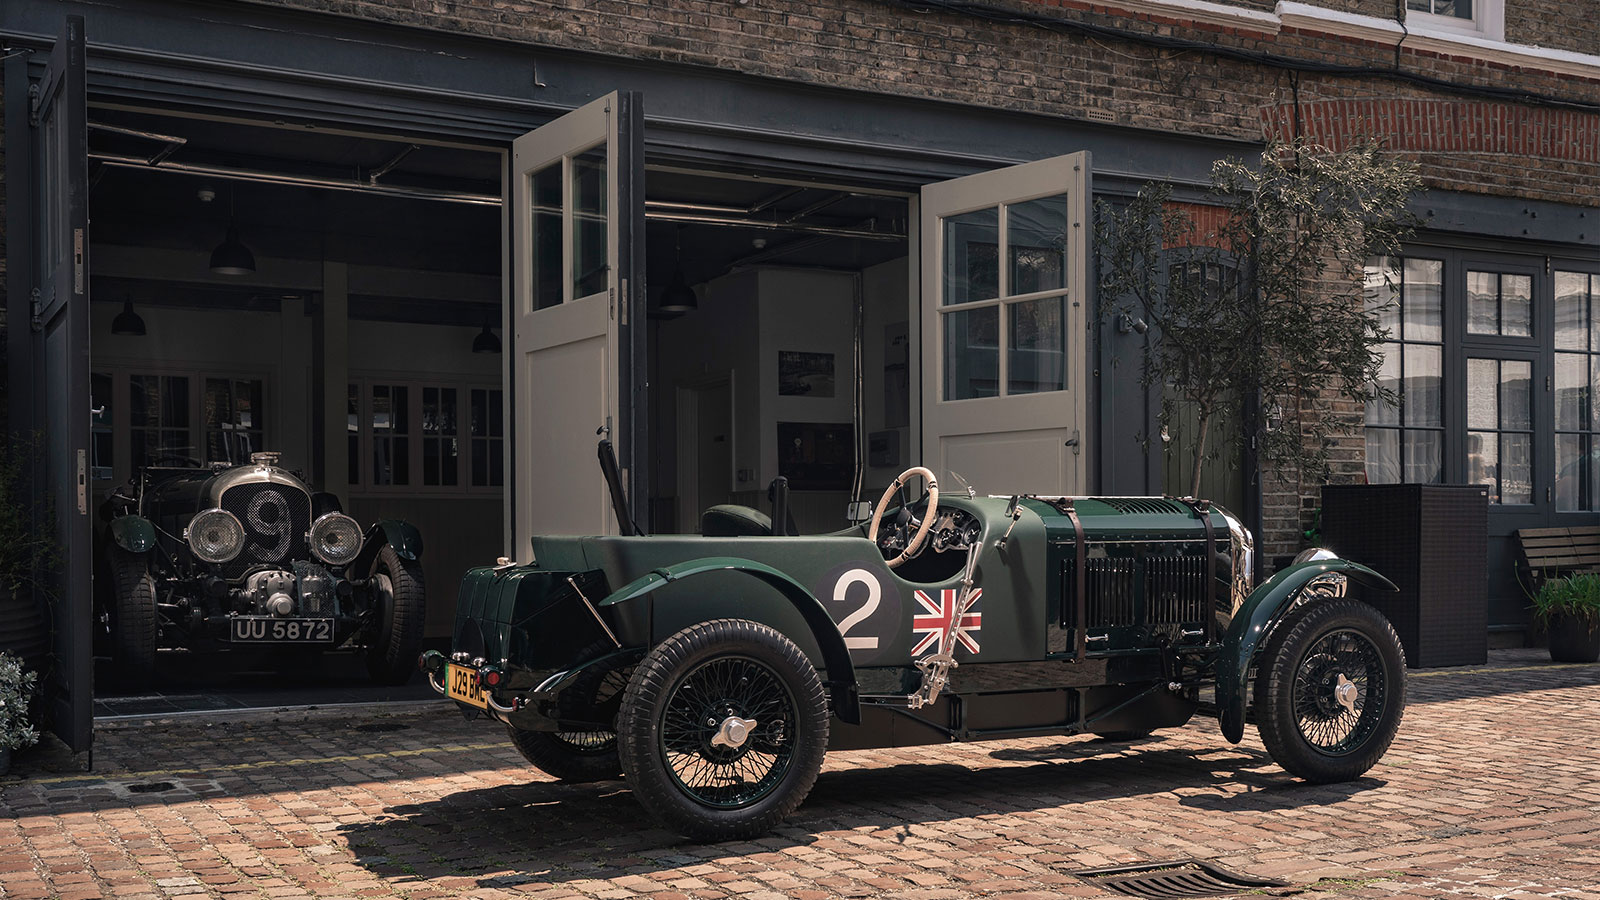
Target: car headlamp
<point>335,538</point>
<point>215,535</point>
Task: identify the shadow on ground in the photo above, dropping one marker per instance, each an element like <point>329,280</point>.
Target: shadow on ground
<point>555,833</point>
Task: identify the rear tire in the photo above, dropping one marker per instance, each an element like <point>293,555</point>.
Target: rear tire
<point>1330,691</point>
<point>135,626</point>
<point>398,603</point>
<point>723,729</point>
<point>579,757</point>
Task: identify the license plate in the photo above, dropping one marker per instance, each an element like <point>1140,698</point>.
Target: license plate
<point>271,630</point>
<point>461,683</point>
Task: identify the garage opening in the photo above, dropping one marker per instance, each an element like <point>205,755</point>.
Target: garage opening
<point>332,298</point>
<point>779,329</point>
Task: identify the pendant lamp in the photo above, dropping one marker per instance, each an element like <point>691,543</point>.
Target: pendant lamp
<point>232,257</point>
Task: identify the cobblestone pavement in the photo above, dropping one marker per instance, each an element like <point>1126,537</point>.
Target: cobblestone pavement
<point>1491,790</point>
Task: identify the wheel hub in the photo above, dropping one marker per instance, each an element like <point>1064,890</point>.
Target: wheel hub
<point>733,732</point>
<point>1344,691</point>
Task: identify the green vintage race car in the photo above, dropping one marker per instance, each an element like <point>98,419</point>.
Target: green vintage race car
<point>714,671</point>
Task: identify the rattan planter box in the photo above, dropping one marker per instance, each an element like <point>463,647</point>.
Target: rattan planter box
<point>1431,540</point>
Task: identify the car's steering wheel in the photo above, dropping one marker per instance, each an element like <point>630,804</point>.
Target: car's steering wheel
<point>914,546</point>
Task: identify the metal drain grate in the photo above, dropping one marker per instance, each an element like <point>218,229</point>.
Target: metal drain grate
<point>152,787</point>
<point>382,726</point>
<point>1175,878</point>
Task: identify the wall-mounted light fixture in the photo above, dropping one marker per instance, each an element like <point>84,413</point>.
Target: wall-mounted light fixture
<point>128,322</point>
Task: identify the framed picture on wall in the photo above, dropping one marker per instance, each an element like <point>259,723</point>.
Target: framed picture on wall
<point>816,456</point>
<point>802,374</point>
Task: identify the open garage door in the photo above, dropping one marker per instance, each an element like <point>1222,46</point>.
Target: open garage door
<point>577,230</point>
<point>1005,301</point>
<point>49,342</point>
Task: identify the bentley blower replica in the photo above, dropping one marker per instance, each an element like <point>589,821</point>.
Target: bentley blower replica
<point>714,671</point>
<point>248,555</point>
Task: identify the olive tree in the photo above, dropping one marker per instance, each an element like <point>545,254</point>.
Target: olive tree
<point>1267,299</point>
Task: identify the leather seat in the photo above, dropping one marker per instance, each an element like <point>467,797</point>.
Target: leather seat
<point>733,520</point>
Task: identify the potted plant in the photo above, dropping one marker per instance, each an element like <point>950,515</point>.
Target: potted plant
<point>1570,610</point>
<point>16,690</point>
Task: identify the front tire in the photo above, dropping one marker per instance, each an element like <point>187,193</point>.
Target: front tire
<point>1331,691</point>
<point>723,729</point>
<point>135,627</point>
<point>398,605</point>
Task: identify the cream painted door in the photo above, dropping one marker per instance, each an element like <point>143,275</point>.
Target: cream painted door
<point>571,218</point>
<point>1004,306</point>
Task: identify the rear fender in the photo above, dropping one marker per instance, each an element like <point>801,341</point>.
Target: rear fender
<point>134,534</point>
<point>1254,620</point>
<point>836,659</point>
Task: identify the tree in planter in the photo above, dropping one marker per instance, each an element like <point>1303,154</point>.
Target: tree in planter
<point>1270,301</point>
<point>28,553</point>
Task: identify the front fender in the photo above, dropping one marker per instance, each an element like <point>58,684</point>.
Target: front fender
<point>841,672</point>
<point>397,533</point>
<point>1255,619</point>
<point>134,534</point>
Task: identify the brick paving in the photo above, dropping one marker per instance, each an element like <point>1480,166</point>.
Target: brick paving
<point>1491,790</point>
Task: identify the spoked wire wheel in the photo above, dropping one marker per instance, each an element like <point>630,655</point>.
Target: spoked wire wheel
<point>723,729</point>
<point>1330,690</point>
<point>727,733</point>
<point>1339,692</point>
<point>579,756</point>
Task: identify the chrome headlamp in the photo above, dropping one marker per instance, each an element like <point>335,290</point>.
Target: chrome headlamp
<point>215,535</point>
<point>335,538</point>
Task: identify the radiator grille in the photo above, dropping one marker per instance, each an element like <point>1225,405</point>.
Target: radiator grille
<point>1175,589</point>
<point>1111,583</point>
<point>276,519</point>
<point>1139,589</point>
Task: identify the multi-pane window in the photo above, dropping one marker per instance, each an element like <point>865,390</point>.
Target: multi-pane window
<point>1499,304</point>
<point>1405,440</point>
<point>413,436</point>
<point>1003,299</point>
<point>1460,9</point>
<point>233,419</point>
<point>440,444</point>
<point>1500,428</point>
<point>488,438</point>
<point>158,420</point>
<point>1577,403</point>
<point>390,420</point>
<point>101,427</point>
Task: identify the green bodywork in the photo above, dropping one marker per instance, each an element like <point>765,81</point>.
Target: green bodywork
<point>1254,620</point>
<point>134,534</point>
<point>589,604</point>
<point>397,533</point>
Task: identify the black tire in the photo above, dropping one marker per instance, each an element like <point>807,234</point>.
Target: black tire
<point>134,625</point>
<point>1321,649</point>
<point>1140,734</point>
<point>577,757</point>
<point>398,603</point>
<point>686,692</point>
<point>580,756</point>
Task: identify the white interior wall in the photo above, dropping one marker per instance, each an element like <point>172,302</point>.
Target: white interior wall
<point>742,323</point>
<point>888,303</point>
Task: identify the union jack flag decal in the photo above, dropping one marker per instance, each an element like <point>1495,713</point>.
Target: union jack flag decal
<point>934,621</point>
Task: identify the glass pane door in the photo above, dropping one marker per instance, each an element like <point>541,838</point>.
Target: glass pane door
<point>1500,428</point>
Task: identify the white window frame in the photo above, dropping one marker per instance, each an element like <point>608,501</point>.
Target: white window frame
<point>362,481</point>
<point>1488,21</point>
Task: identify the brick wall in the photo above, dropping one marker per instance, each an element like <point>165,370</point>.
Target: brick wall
<point>1561,24</point>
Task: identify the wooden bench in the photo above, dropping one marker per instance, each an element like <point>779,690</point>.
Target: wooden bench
<point>1548,552</point>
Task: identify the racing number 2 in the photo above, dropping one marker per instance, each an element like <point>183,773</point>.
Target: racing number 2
<point>874,595</point>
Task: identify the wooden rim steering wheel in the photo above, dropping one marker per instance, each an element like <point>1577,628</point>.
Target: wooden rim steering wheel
<point>915,545</point>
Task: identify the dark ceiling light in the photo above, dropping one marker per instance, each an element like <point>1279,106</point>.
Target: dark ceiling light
<point>678,297</point>
<point>486,341</point>
<point>128,321</point>
<point>232,257</point>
